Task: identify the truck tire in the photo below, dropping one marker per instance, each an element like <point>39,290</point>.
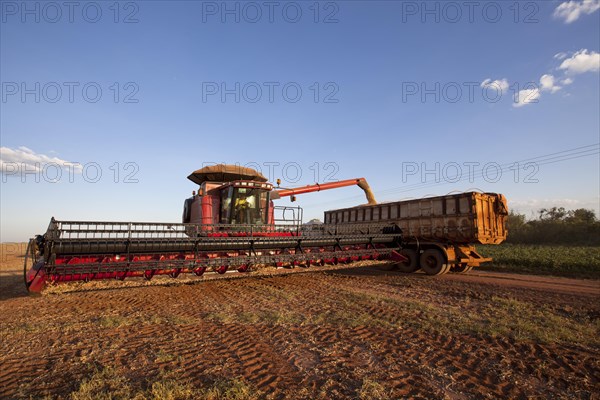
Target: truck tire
<point>462,268</point>
<point>433,262</point>
<point>412,264</point>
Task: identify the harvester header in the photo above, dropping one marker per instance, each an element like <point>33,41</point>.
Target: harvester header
<point>231,222</point>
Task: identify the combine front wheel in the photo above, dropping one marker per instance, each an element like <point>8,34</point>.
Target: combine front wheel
<point>433,262</point>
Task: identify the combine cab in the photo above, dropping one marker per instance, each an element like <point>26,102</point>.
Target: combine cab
<point>231,223</point>
<point>229,195</point>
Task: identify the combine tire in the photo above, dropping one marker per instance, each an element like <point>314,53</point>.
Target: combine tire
<point>433,262</point>
<point>410,265</point>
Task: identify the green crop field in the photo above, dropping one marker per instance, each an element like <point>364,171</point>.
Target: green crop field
<point>570,261</point>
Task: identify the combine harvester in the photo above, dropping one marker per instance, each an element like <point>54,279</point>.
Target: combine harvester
<point>232,223</point>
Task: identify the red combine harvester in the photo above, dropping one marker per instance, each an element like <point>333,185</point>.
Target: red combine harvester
<point>231,223</point>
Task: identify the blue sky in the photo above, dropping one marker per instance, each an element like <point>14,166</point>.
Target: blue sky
<point>362,68</point>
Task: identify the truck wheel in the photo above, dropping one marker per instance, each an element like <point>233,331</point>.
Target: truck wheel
<point>433,262</point>
<point>462,268</point>
<point>410,265</point>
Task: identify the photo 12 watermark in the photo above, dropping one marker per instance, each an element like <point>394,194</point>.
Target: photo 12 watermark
<point>470,92</point>
<point>270,92</point>
<point>54,12</point>
<point>69,92</point>
<point>68,172</point>
<point>252,12</point>
<point>469,171</point>
<point>289,172</point>
<point>10,251</point>
<point>453,12</point>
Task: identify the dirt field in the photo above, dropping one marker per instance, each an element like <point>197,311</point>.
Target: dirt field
<point>365,332</point>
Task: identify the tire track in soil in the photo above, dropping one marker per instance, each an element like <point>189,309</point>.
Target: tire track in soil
<point>280,359</point>
<point>490,382</point>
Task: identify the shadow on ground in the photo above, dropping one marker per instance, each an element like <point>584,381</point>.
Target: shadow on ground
<point>12,286</point>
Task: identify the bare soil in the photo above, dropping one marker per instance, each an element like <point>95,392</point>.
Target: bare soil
<point>341,332</point>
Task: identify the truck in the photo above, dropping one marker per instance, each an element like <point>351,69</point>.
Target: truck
<point>439,233</point>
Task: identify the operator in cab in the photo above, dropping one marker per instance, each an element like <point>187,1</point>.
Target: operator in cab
<point>244,207</point>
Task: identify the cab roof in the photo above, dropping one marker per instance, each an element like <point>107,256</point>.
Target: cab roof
<point>225,173</point>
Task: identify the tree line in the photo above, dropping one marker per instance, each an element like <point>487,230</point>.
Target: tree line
<point>555,225</point>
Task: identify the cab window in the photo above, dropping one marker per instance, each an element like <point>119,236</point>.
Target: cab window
<point>249,206</point>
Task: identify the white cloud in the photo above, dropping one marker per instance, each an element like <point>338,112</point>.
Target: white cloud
<point>560,56</point>
<point>500,85</point>
<point>566,81</point>
<point>24,160</point>
<point>547,83</point>
<point>570,11</point>
<point>526,96</point>
<point>573,64</point>
<point>581,62</point>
